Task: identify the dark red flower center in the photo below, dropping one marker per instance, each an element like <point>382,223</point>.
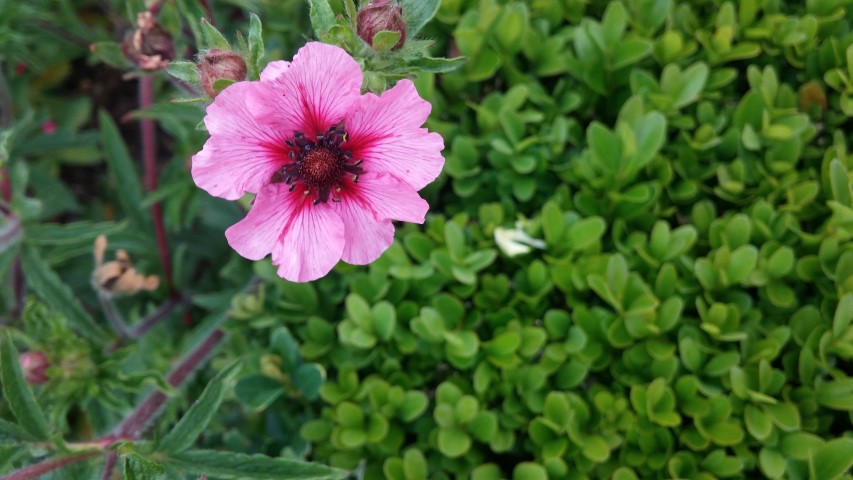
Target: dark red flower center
<point>319,164</point>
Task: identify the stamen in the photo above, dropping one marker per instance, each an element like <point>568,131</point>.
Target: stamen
<point>318,164</point>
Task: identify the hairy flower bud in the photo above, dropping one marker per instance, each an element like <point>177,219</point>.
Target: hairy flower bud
<point>381,15</point>
<point>217,64</point>
<point>150,45</point>
<point>34,365</point>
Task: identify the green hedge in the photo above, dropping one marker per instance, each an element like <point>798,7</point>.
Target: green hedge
<point>673,180</point>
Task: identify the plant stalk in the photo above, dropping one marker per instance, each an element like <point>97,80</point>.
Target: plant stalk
<point>149,160</point>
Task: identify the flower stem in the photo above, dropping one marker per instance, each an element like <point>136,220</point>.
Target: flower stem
<point>134,424</point>
<point>149,159</point>
<point>110,460</point>
<point>39,469</point>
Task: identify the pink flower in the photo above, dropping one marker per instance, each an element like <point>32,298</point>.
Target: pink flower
<point>331,167</point>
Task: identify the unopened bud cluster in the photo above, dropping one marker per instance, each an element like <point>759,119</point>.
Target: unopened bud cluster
<point>150,46</point>
<point>220,64</point>
<point>381,15</point>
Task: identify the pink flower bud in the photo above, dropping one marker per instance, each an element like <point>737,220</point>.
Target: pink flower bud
<point>381,15</point>
<point>34,365</point>
<point>48,127</point>
<point>150,45</point>
<point>217,64</point>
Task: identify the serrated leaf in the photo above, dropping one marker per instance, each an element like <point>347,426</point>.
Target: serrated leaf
<point>416,14</point>
<point>49,287</point>
<point>139,468</point>
<point>227,465</point>
<point>189,427</point>
<point>121,169</point>
<point>17,392</point>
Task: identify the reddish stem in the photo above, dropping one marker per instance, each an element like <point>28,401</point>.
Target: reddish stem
<point>5,186</point>
<point>39,469</point>
<point>133,425</point>
<point>109,465</point>
<point>205,4</point>
<point>149,160</point>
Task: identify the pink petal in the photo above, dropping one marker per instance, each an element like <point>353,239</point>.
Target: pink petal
<point>258,233</point>
<point>367,209</point>
<point>312,243</point>
<point>273,70</point>
<point>385,132</point>
<point>243,150</point>
<point>317,89</point>
<point>306,240</point>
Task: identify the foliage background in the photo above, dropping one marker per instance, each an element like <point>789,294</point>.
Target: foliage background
<point>683,307</point>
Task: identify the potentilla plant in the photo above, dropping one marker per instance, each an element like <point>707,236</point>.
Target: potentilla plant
<point>326,149</point>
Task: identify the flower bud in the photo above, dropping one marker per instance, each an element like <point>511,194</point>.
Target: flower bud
<point>150,45</point>
<point>217,64</point>
<point>381,15</point>
<point>34,365</point>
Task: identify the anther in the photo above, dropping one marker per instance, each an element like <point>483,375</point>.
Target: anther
<point>291,155</point>
<point>307,191</point>
<point>358,163</point>
<point>348,154</point>
<point>316,201</point>
<point>336,199</point>
<point>355,179</point>
<point>289,143</point>
<point>292,188</point>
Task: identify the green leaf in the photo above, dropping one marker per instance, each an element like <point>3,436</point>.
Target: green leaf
<point>258,391</point>
<point>308,378</point>
<point>529,471</point>
<point>453,442</point>
<point>437,65</point>
<point>693,81</point>
<point>189,427</point>
<point>110,53</point>
<point>384,320</point>
<point>414,465</point>
<point>416,14</point>
<point>17,392</point>
<point>122,171</point>
<point>322,17</point>
<point>832,460</point>
<point>839,183</point>
<point>139,468</point>
<point>213,38</point>
<point>49,287</point>
<point>77,233</point>
<point>256,46</point>
<point>184,71</point>
<point>385,40</point>
<point>630,52</point>
<point>586,232</point>
<point>238,466</point>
